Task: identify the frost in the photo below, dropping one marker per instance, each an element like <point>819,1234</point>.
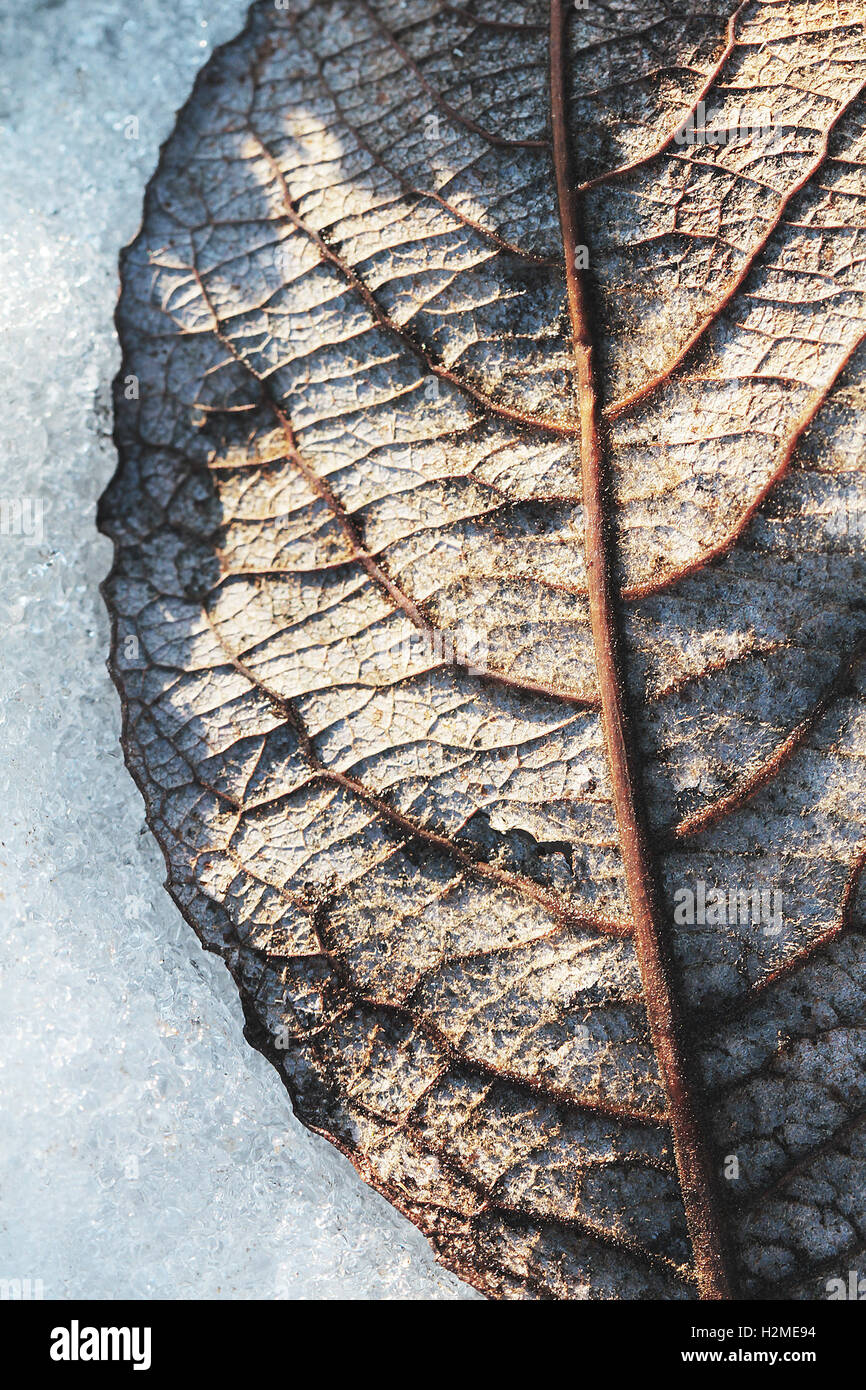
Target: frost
<point>152,1153</point>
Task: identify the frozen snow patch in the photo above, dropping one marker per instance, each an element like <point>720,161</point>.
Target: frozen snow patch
<point>151,1153</point>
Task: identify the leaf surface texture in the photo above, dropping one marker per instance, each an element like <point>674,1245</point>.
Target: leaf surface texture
<point>367,365</point>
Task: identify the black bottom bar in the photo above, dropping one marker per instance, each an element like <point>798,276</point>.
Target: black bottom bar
<point>82,1339</point>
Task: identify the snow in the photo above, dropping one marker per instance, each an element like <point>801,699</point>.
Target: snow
<point>146,1151</point>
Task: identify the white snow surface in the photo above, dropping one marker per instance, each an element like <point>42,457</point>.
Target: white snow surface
<point>145,1150</point>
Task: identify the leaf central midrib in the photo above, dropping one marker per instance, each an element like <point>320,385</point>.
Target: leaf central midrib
<point>694,1164</point>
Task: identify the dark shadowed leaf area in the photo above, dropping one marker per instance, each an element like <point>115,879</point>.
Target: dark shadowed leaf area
<point>489,616</point>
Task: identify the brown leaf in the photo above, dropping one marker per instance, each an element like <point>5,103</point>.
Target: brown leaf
<point>489,621</point>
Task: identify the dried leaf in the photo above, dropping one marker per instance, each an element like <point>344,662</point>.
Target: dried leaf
<point>489,620</point>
